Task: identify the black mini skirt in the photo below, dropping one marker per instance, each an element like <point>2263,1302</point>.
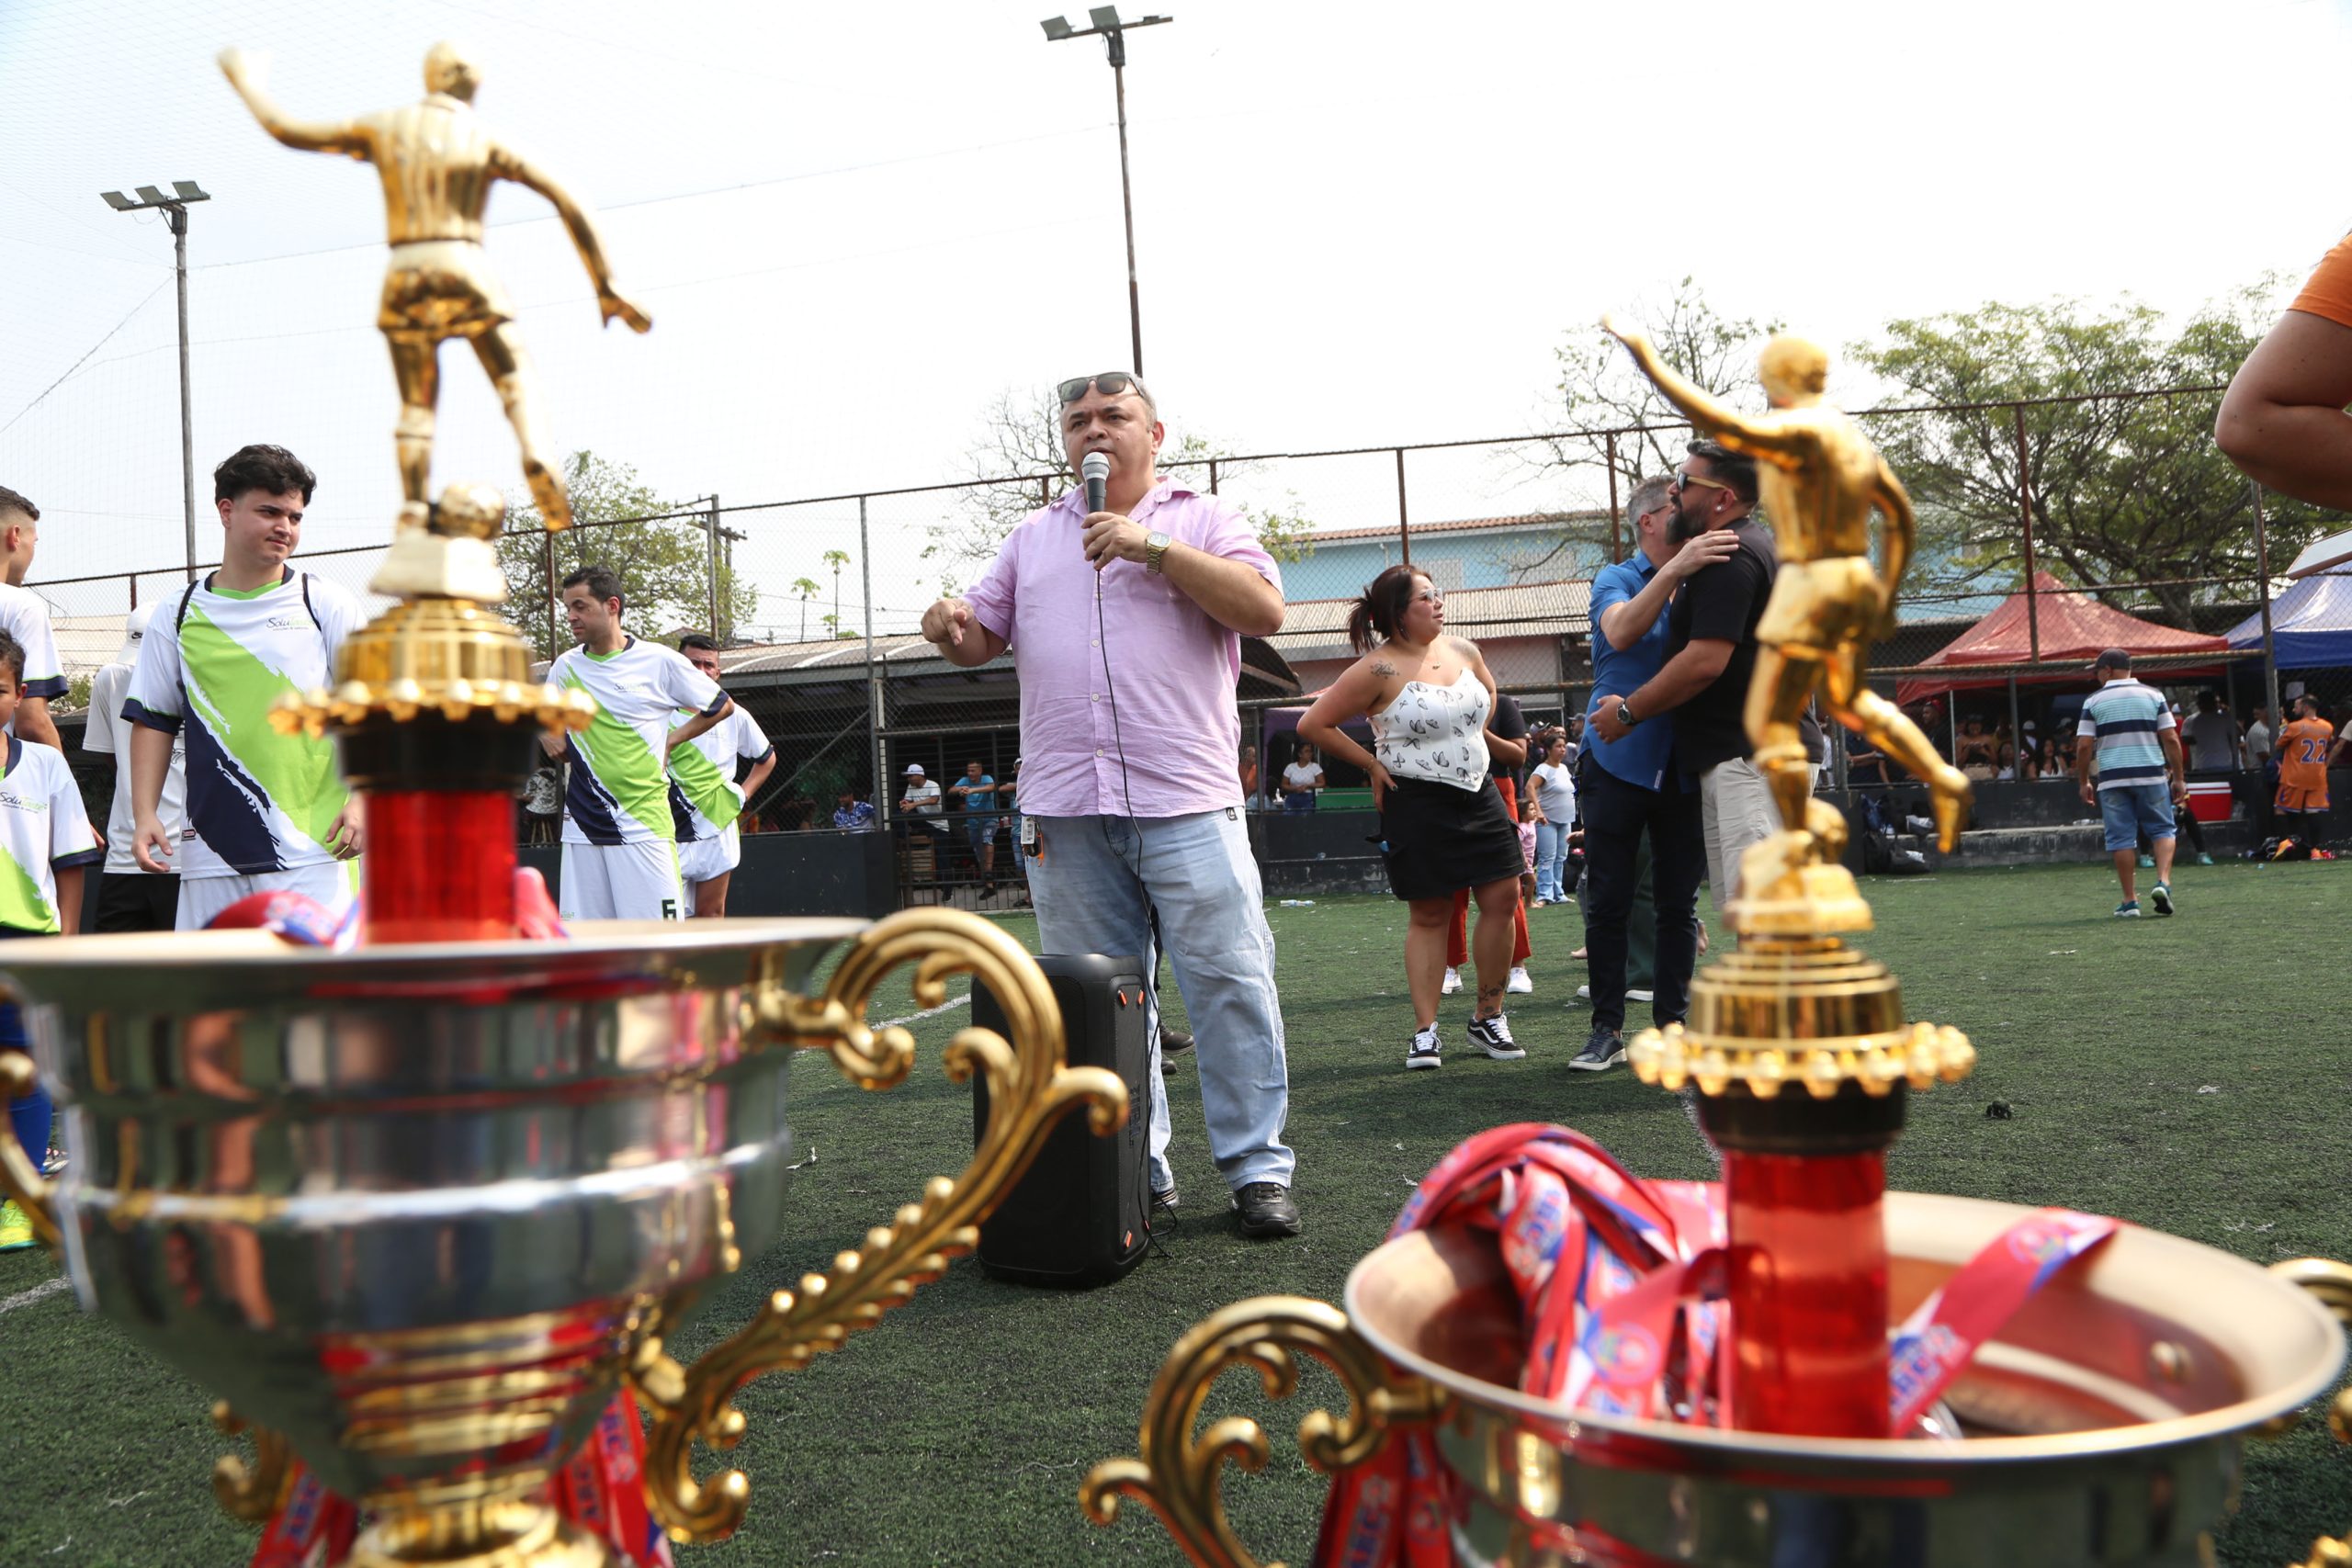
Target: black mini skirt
<point>1438,839</point>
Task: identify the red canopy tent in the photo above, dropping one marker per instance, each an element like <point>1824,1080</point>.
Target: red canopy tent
<point>2075,628</point>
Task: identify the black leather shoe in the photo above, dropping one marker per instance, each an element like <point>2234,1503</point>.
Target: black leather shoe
<point>1266,1210</point>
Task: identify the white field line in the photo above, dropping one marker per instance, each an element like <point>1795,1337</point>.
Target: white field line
<point>950,1005</point>
<point>38,1293</point>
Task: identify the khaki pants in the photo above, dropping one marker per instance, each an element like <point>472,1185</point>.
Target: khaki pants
<point>1736,807</point>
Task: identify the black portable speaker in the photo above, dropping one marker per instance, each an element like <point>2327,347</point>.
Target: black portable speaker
<point>1077,1219</point>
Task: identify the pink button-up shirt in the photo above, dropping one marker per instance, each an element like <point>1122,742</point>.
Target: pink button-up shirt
<point>1173,670</point>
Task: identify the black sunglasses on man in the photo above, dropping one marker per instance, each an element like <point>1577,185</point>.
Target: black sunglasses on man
<point>1109,383</point>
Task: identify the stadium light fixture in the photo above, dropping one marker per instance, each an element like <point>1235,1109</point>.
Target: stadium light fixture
<point>1113,32</point>
<point>174,210</point>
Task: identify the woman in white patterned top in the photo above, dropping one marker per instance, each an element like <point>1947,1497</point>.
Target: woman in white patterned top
<point>1442,823</point>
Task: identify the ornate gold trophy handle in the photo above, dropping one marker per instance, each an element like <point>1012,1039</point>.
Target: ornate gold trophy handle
<point>2332,1283</point>
<point>1030,1087</point>
<point>20,1176</point>
<point>250,1493</point>
<point>1180,1471</point>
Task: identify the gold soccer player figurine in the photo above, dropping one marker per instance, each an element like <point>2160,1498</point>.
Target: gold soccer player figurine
<point>1820,479</point>
<point>438,163</point>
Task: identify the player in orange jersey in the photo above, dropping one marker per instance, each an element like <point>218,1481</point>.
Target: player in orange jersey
<point>2302,771</point>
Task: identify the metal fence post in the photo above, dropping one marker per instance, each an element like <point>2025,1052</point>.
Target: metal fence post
<point>546,560</point>
<point>2269,648</point>
<point>711,522</point>
<point>1616,534</point>
<point>2025,519</point>
<point>1404,521</point>
<point>874,705</point>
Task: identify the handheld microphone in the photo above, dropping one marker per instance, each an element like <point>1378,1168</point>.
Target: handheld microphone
<point>1095,467</point>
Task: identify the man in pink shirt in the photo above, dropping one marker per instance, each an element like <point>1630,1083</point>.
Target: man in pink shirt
<point>1124,831</point>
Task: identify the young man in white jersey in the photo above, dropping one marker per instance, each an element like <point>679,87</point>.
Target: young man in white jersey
<point>45,841</point>
<point>266,812</point>
<point>706,799</point>
<point>131,899</point>
<point>620,849</point>
<point>25,617</point>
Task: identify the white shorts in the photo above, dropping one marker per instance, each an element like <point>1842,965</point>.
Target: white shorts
<point>704,860</point>
<point>333,883</point>
<point>621,882</point>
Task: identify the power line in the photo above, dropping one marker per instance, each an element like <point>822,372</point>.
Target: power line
<point>708,190</point>
<point>85,355</point>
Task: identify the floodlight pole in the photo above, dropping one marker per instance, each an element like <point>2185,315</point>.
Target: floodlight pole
<point>174,210</point>
<point>1112,29</point>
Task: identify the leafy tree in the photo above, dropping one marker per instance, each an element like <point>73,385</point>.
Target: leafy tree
<point>2123,489</point>
<point>837,559</point>
<point>1020,448</point>
<point>804,589</point>
<point>662,557</point>
<point>1600,390</point>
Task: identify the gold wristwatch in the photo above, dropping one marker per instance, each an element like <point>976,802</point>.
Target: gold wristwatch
<point>1155,546</point>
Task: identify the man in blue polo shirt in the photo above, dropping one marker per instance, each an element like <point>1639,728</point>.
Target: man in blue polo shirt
<point>1629,786</point>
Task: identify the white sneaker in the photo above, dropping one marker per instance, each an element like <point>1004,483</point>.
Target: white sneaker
<point>1633,994</point>
<point>1451,983</point>
<point>1519,981</point>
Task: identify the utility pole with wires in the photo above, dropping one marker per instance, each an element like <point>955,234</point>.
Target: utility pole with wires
<point>174,210</point>
<point>721,540</point>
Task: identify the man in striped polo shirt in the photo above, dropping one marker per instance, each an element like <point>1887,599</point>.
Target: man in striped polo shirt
<point>2128,730</point>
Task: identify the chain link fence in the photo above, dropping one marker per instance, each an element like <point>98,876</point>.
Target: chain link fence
<point>2090,508</point>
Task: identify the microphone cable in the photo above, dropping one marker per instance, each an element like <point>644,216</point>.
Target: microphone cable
<point>1150,961</point>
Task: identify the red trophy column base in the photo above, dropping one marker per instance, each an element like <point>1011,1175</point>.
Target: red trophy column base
<point>440,866</point>
<point>1808,1293</point>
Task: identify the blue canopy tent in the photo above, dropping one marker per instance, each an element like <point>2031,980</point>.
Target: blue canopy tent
<point>2310,624</point>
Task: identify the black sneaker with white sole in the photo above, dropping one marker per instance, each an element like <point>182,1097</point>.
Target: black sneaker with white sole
<point>1603,1050</point>
<point>1492,1035</point>
<point>1423,1052</point>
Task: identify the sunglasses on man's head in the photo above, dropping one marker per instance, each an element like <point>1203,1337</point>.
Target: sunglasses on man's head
<point>1109,383</point>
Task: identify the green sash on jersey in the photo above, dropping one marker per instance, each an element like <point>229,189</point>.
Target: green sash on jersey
<point>233,693</point>
<point>23,907</point>
<point>627,767</point>
<point>707,789</point>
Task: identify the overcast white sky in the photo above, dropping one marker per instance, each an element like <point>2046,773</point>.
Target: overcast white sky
<point>855,224</point>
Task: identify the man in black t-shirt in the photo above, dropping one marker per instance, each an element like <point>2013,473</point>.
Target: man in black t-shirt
<point>1710,654</point>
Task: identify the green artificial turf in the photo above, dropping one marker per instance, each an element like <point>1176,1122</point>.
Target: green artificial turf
<point>2192,1075</point>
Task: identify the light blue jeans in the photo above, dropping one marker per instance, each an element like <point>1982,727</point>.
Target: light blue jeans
<point>1551,849</point>
<point>1090,886</point>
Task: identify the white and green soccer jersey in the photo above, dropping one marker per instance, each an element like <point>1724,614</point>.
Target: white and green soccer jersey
<point>25,619</point>
<point>702,774</point>
<point>42,826</point>
<point>212,664</point>
<point>619,793</point>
